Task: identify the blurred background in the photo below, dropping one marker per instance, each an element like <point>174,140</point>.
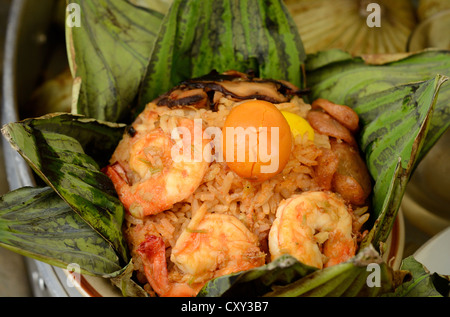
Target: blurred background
<point>13,272</point>
<point>32,49</point>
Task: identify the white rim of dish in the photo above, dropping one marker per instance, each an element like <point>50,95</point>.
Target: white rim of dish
<point>425,251</point>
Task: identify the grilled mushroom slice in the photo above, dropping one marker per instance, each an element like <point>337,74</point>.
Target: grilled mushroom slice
<point>204,91</point>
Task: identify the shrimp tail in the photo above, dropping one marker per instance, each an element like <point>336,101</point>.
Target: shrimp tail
<point>153,255</point>
<point>120,180</point>
<point>117,175</point>
<point>123,188</point>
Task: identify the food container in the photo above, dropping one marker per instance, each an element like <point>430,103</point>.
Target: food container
<point>28,44</point>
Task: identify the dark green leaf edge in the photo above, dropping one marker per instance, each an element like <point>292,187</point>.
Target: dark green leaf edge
<point>257,281</point>
<point>422,282</point>
<point>62,164</point>
<point>288,277</point>
<point>37,223</point>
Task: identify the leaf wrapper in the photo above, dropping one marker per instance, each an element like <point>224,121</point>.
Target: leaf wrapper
<point>62,149</point>
<point>337,76</point>
<point>401,116</point>
<point>199,36</point>
<point>287,277</point>
<point>37,223</point>
<point>421,283</point>
<point>108,55</point>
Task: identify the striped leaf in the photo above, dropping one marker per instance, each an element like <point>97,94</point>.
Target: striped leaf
<point>67,152</point>
<point>108,55</point>
<point>287,277</point>
<point>338,76</point>
<point>348,279</point>
<point>401,116</point>
<point>37,223</point>
<point>258,281</point>
<point>395,124</point>
<point>199,36</point>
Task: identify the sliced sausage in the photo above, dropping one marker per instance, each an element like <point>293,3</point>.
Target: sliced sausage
<point>343,114</point>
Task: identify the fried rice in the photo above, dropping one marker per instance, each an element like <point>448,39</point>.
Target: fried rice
<point>223,191</point>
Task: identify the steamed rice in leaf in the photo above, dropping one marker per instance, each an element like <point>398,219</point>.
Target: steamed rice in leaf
<point>191,220</point>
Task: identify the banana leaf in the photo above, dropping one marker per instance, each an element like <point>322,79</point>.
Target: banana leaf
<point>108,55</point>
<point>37,223</point>
<point>67,152</point>
<point>199,36</point>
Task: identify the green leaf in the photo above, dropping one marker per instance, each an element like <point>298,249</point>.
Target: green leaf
<point>337,76</point>
<point>108,55</point>
<point>364,275</point>
<point>257,281</point>
<point>197,37</point>
<point>125,283</point>
<point>394,125</point>
<point>401,117</point>
<point>62,149</point>
<point>288,277</point>
<point>37,223</point>
<point>422,283</point>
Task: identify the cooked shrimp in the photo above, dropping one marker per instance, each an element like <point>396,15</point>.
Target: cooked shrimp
<point>211,246</point>
<point>315,228</point>
<point>153,255</point>
<point>215,245</point>
<point>149,173</point>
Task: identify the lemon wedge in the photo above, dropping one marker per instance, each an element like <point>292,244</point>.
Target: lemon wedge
<point>298,125</point>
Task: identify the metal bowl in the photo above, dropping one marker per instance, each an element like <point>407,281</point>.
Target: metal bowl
<point>29,44</point>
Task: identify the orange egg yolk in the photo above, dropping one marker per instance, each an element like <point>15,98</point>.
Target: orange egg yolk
<point>257,140</point>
